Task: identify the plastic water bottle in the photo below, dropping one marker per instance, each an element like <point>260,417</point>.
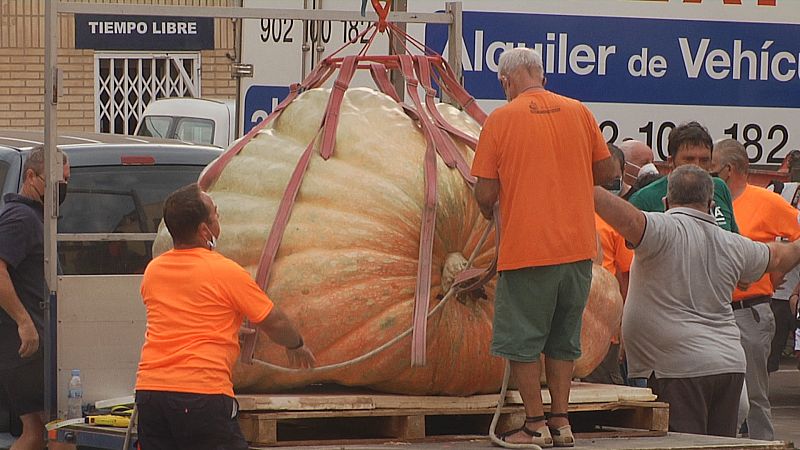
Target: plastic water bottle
<point>75,396</point>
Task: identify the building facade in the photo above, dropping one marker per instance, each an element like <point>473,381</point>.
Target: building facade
<point>113,66</point>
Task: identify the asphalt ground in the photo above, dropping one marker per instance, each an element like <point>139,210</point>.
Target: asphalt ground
<point>784,395</point>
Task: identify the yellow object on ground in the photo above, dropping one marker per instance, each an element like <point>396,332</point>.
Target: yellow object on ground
<point>109,421</point>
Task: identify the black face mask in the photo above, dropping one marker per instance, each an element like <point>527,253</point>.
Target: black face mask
<point>62,193</point>
<point>614,186</point>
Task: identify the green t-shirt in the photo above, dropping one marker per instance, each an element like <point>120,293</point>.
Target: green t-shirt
<point>650,198</point>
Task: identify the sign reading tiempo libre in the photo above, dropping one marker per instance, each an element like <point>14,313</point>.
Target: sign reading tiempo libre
<point>109,32</point>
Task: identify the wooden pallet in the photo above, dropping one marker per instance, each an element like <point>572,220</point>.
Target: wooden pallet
<point>269,420</point>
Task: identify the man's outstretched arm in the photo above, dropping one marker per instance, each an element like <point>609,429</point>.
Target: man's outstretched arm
<point>621,215</point>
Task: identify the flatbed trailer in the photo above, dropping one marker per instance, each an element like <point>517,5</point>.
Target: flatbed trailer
<point>603,416</point>
<point>95,438</point>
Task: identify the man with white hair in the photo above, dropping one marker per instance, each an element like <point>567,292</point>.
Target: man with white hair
<point>540,155</point>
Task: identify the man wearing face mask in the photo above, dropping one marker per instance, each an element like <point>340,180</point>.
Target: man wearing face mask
<point>764,216</point>
<point>616,256</point>
<point>680,330</point>
<point>22,292</point>
<point>196,300</point>
<point>617,259</point>
<point>638,160</point>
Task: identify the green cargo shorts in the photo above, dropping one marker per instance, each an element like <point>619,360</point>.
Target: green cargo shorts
<point>539,310</point>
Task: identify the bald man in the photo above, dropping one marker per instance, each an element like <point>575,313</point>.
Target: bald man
<point>637,155</point>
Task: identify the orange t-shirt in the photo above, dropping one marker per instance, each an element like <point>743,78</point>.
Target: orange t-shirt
<point>196,300</point>
<point>763,216</point>
<point>617,257</point>
<point>541,147</point>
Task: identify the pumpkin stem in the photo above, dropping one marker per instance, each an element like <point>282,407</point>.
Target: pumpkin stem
<point>454,264</point>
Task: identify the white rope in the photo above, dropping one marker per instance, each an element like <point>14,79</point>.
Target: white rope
<point>500,402</point>
<point>131,426</point>
<point>396,339</point>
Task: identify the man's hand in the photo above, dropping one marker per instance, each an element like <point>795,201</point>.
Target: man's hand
<point>29,338</point>
<point>742,285</point>
<point>301,358</point>
<point>10,303</point>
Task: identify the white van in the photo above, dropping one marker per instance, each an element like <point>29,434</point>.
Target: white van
<point>195,120</point>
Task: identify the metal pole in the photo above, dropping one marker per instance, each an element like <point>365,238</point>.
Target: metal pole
<point>237,55</point>
<point>454,56</point>
<point>397,78</point>
<point>305,48</point>
<point>53,173</point>
<point>245,13</point>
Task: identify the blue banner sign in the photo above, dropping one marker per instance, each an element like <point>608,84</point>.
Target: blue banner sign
<point>109,32</point>
<point>633,60</point>
<point>259,101</point>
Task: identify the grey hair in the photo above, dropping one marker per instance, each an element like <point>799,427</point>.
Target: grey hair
<point>520,57</point>
<point>731,151</point>
<point>689,185</point>
<point>35,160</point>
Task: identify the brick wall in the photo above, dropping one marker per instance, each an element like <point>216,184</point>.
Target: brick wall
<point>216,74</point>
<point>22,65</point>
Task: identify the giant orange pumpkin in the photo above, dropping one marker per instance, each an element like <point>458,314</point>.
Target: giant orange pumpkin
<point>346,269</point>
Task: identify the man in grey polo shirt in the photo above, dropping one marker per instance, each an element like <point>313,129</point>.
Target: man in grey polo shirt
<point>678,326</point>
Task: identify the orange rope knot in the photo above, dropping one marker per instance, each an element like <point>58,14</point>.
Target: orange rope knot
<point>383,13</point>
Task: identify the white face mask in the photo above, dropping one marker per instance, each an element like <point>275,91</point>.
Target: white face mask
<point>647,169</point>
<point>212,244</point>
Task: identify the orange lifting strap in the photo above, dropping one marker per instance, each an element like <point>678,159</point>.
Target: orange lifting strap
<point>418,70</point>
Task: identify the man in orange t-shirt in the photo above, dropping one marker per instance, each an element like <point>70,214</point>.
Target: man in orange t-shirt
<point>540,155</point>
<point>762,216</point>
<point>617,258</point>
<point>196,300</point>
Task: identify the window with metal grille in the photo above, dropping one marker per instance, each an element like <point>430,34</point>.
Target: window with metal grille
<point>126,83</point>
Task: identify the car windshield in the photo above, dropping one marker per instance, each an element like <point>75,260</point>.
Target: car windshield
<point>155,126</point>
<point>116,199</point>
<point>196,131</point>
